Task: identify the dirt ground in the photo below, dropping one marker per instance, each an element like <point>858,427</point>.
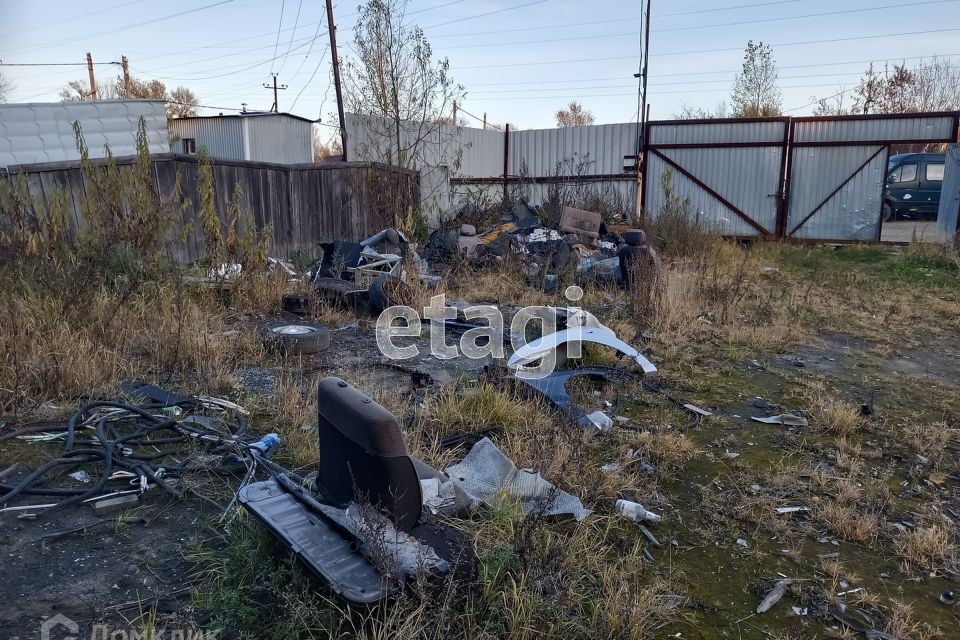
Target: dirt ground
<point>874,471</point>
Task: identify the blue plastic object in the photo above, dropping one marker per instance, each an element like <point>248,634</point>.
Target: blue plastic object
<point>266,444</point>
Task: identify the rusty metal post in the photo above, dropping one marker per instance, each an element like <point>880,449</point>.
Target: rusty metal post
<point>506,164</point>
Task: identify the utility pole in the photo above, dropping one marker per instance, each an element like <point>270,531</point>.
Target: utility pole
<point>332,30</point>
<point>644,114</point>
<point>126,76</point>
<point>93,81</point>
<point>454,113</point>
<point>484,120</point>
<point>275,87</point>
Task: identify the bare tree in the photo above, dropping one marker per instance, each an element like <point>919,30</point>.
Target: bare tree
<point>5,87</point>
<point>574,116</point>
<point>181,102</point>
<point>755,91</point>
<point>399,95</point>
<point>78,91</point>
<point>688,112</point>
<point>932,85</point>
<point>396,80</point>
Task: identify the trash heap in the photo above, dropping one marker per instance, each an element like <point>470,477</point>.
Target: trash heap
<point>580,242</point>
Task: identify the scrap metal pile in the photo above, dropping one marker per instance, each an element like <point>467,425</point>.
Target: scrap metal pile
<point>580,242</point>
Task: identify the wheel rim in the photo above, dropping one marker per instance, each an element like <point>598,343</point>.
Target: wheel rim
<point>292,330</point>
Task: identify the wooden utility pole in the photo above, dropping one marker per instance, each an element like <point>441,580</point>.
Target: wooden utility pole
<point>484,119</point>
<point>126,76</point>
<point>332,30</point>
<point>454,113</point>
<point>93,80</point>
<point>276,105</point>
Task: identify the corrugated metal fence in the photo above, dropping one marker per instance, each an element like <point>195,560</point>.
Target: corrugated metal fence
<point>812,178</point>
<point>304,204</point>
<point>456,160</point>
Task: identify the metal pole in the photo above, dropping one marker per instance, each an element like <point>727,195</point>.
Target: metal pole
<point>506,163</point>
<point>644,118</point>
<point>93,81</point>
<point>332,29</point>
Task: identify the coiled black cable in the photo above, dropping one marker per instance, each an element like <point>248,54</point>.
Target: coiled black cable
<point>119,432</point>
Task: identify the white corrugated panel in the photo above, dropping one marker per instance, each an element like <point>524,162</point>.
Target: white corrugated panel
<point>719,132</point>
<point>43,132</point>
<point>950,195</point>
<point>853,212</point>
<point>482,152</point>
<point>278,138</point>
<point>892,128</point>
<point>594,149</point>
<point>713,214</point>
<point>222,137</point>
<point>746,177</point>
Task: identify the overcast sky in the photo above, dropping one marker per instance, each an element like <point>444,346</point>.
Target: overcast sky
<point>518,63</point>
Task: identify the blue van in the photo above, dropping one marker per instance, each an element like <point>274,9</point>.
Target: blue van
<point>913,186</point>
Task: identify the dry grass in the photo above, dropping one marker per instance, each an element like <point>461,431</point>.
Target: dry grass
<point>454,410</point>
<point>847,521</point>
<point>668,450</point>
<point>829,414</point>
<point>46,354</point>
<point>931,440</point>
<point>926,546</point>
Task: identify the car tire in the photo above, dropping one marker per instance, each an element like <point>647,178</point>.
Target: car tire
<point>388,291</point>
<point>295,337</point>
<point>887,212</point>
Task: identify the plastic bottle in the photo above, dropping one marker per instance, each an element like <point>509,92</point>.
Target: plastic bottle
<point>636,512</point>
<point>266,444</point>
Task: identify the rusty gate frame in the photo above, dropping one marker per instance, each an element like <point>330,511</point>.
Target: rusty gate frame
<point>783,146</point>
<point>786,162</point>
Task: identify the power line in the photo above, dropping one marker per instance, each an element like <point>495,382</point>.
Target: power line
<point>477,118</point>
<point>51,64</point>
<point>488,13</point>
<point>729,8</point>
<point>81,16</point>
<point>681,53</point>
<point>621,34</point>
<point>219,75</point>
<point>538,28</point>
<point>130,26</point>
<point>232,54</point>
<point>660,84</point>
<point>316,35</point>
<point>808,15</point>
<point>220,44</point>
<point>439,6</point>
<point>611,95</point>
<point>612,21</point>
<point>296,21</point>
<point>283,5</point>
<point>315,69</point>
<point>564,39</point>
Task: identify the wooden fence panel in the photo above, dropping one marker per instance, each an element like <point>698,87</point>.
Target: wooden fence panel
<point>304,204</point>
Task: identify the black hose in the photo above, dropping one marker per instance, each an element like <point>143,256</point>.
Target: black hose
<point>118,433</point>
